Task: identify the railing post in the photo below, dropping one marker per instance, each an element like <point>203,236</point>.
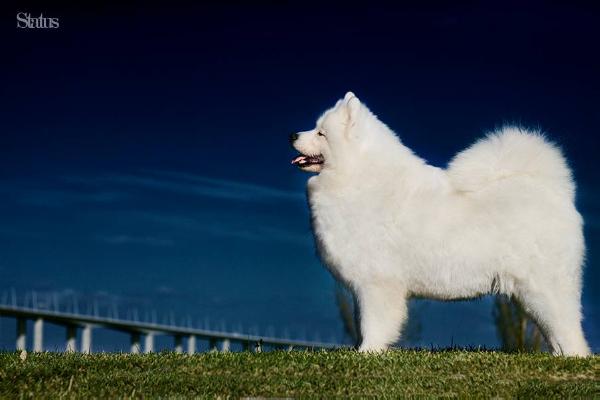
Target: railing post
<point>191,345</point>
<point>258,346</point>
<point>212,344</point>
<point>135,343</point>
<point>225,345</point>
<point>21,333</point>
<point>178,345</point>
<point>86,339</point>
<point>71,337</point>
<point>149,342</point>
<point>38,335</point>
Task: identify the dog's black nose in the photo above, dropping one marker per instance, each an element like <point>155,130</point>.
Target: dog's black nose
<point>293,138</point>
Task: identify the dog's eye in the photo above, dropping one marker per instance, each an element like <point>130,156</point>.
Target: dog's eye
<point>320,133</point>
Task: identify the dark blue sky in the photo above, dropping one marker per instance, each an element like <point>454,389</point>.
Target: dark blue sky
<point>144,148</point>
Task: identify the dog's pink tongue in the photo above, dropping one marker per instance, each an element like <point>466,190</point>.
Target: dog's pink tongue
<point>299,160</point>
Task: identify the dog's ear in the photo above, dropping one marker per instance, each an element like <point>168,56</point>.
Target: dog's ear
<point>352,105</point>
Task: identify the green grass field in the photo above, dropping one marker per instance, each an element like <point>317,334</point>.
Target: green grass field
<point>300,374</point>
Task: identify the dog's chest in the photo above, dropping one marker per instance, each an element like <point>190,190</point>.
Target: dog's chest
<point>343,227</point>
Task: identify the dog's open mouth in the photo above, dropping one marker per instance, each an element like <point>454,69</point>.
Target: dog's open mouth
<point>304,161</point>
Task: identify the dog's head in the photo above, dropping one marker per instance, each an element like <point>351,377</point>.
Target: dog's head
<point>332,139</point>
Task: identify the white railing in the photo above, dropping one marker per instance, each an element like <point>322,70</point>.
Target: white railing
<point>74,321</point>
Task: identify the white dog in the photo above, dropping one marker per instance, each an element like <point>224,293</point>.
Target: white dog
<point>500,219</point>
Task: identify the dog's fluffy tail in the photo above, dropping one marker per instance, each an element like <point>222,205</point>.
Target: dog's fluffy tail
<point>507,153</point>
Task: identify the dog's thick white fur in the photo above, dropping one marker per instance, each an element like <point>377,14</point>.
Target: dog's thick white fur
<point>500,219</point>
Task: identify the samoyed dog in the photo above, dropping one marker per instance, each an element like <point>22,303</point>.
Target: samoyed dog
<point>500,219</point>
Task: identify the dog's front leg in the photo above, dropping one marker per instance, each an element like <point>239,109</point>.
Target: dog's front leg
<point>382,312</point>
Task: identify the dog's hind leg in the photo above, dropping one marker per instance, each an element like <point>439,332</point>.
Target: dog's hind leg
<point>558,314</point>
<point>382,312</point>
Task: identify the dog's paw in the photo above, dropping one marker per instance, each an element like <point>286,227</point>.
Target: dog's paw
<point>372,348</point>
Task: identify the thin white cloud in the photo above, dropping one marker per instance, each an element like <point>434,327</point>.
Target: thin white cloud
<point>131,192</point>
<point>57,198</point>
<point>192,185</point>
<point>31,194</point>
<point>214,224</point>
<point>118,187</point>
<point>261,234</point>
<point>129,239</point>
<point>233,188</point>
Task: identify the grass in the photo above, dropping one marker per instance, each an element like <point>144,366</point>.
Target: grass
<point>342,373</point>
